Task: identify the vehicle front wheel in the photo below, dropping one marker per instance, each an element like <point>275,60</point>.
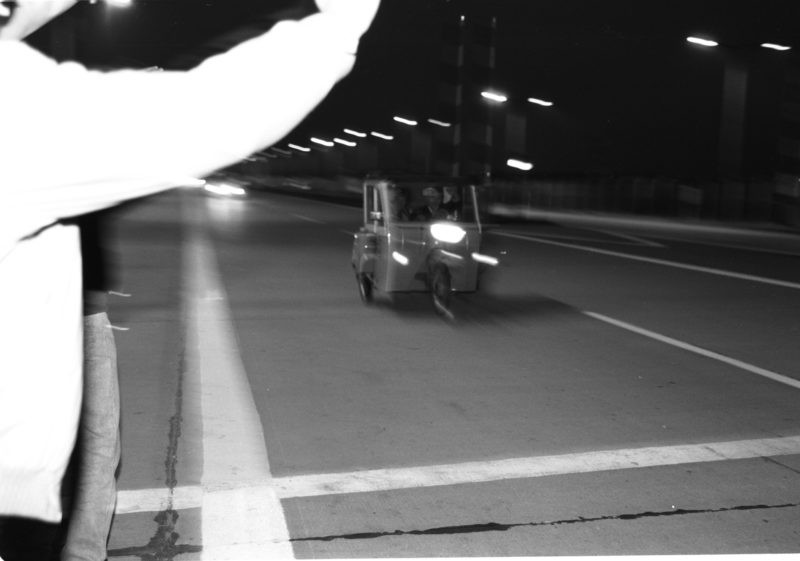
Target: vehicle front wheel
<point>441,290</point>
<point>364,287</point>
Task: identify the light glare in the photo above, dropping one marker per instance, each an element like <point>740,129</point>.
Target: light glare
<point>486,259</point>
<point>492,96</point>
<point>541,102</point>
<point>775,46</point>
<point>439,123</point>
<point>400,258</point>
<point>519,164</point>
<point>405,121</point>
<point>447,233</point>
<point>703,42</point>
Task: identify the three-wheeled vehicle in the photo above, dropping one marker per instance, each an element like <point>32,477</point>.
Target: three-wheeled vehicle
<point>419,235</point>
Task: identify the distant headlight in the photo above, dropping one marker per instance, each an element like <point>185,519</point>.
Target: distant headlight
<point>447,233</point>
<point>225,189</point>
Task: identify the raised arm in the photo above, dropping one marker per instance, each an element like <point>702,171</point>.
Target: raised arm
<point>75,140</point>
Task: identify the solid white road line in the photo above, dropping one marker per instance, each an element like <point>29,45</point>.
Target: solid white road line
<point>697,350</point>
<point>635,239</point>
<point>675,264</point>
<point>308,219</point>
<point>238,522</point>
<point>500,470</point>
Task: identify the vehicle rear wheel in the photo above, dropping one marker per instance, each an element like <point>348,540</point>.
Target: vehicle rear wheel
<point>441,290</point>
<point>364,287</point>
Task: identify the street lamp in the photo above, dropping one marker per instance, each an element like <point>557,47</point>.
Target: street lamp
<point>519,164</point>
<point>775,46</point>
<point>439,123</point>
<point>702,42</point>
<point>542,102</point>
<point>404,121</point>
<point>494,96</point>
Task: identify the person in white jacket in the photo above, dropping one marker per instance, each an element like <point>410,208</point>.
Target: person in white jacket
<point>73,141</point>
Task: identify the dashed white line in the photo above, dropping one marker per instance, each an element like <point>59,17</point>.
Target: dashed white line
<point>675,264</point>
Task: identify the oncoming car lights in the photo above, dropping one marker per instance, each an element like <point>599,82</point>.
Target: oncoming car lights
<point>225,189</point>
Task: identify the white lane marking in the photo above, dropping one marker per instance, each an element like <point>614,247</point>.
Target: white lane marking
<point>675,264</point>
<point>697,350</point>
<point>739,247</point>
<point>574,238</point>
<point>308,219</point>
<point>236,523</point>
<point>513,468</point>
<point>636,239</point>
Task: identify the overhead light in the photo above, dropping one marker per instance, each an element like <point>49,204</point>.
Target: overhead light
<point>405,121</point>
<point>541,102</point>
<point>300,148</point>
<point>356,133</point>
<point>439,123</point>
<point>281,151</point>
<point>702,42</point>
<point>344,142</point>
<point>381,135</point>
<point>493,96</point>
<point>519,164</point>
<point>775,46</point>
<point>321,142</point>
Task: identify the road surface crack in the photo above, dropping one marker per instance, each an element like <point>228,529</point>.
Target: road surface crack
<point>163,545</point>
<point>498,527</point>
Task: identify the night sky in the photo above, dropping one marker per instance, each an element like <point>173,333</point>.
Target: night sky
<point>631,95</point>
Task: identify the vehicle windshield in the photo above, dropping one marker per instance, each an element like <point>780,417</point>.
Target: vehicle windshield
<point>431,202</point>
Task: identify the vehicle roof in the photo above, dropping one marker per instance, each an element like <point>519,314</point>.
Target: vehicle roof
<point>416,178</point>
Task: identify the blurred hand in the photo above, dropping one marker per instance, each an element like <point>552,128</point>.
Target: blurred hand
<point>356,15</point>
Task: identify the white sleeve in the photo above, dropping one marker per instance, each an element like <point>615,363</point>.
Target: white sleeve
<point>74,140</point>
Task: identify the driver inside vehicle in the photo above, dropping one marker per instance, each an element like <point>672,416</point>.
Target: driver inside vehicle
<point>433,209</point>
<point>399,204</point>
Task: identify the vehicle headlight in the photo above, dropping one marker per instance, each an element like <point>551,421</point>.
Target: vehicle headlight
<point>447,233</point>
<point>225,189</point>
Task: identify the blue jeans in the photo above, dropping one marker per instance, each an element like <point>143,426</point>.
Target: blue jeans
<point>95,494</point>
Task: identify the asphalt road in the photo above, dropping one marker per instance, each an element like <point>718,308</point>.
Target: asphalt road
<point>617,387</point>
